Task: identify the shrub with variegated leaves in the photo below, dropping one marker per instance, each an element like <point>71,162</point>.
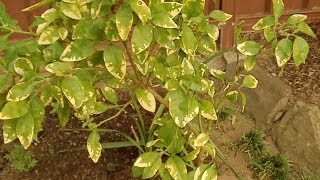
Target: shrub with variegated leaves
<point>83,51</point>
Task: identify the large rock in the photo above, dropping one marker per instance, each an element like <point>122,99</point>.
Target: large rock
<point>298,136</point>
<point>269,99</point>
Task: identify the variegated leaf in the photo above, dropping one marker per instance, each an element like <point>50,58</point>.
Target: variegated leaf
<point>115,61</point>
<point>93,146</point>
<point>146,99</point>
<point>25,130</point>
<point>124,21</point>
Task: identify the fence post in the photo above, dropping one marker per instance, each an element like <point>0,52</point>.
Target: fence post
<point>227,32</point>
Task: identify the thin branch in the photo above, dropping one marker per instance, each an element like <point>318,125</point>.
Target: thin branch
<point>130,55</point>
<point>116,115</point>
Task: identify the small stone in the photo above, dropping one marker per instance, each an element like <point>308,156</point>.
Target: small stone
<point>278,116</point>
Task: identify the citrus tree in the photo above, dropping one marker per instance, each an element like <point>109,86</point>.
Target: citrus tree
<point>81,52</point>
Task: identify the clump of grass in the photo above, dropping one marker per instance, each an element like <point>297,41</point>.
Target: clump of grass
<point>252,144</point>
<point>307,176</point>
<point>271,166</point>
<point>21,159</point>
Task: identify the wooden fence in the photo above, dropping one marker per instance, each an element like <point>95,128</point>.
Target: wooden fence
<point>248,10</point>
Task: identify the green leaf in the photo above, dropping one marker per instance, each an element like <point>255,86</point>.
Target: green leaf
<point>147,159</point>
<point>49,15</point>
<point>93,146</point>
<point>295,19</point>
<point>210,173</point>
<point>63,33</point>
<point>173,59</point>
<point>249,48</point>
<point>201,140</point>
<point>232,96</point>
<point>160,71</point>
<point>78,50</point>
<point>243,100</point>
<point>200,170</point>
<point>264,22</point>
<point>300,51</point>
<point>162,36</point>
<point>90,29</point>
<point>22,66</point>
<point>213,31</point>
<point>177,168</point>
<point>37,111</point>
<point>269,34</point>
<point>101,107</point>
<point>163,19</point>
<point>146,99</point>
<point>12,110</point>
<point>189,41</point>
<point>210,149</point>
<point>141,38</point>
<point>207,110</point>
<point>110,94</point>
<point>82,2</point>
<point>250,81</point>
<point>4,78</point>
<point>142,10</point>
<point>187,67</point>
<point>194,82</point>
<point>49,36</point>
<point>283,51</point>
<point>70,1</point>
<point>9,130</point>
<point>63,114</point>
<point>59,68</point>
<point>57,94</point>
<point>95,8</point>
<point>164,173</point>
<point>70,10</point>
<point>207,46</point>
<point>124,20</point>
<point>149,172</point>
<point>192,155</point>
<point>182,108</point>
<point>171,136</point>
<point>46,95</point>
<point>173,8</point>
<point>220,15</point>
<point>111,31</point>
<point>305,28</point>
<point>115,61</point>
<point>5,19</point>
<point>20,91</point>
<point>74,91</point>
<point>25,130</point>
<point>218,74</point>
<point>136,171</point>
<point>192,8</point>
<point>52,52</point>
<point>162,14</point>
<point>250,63</point>
<point>278,8</point>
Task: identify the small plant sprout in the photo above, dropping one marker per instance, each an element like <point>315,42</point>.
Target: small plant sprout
<point>21,159</point>
<point>252,144</point>
<point>271,166</point>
